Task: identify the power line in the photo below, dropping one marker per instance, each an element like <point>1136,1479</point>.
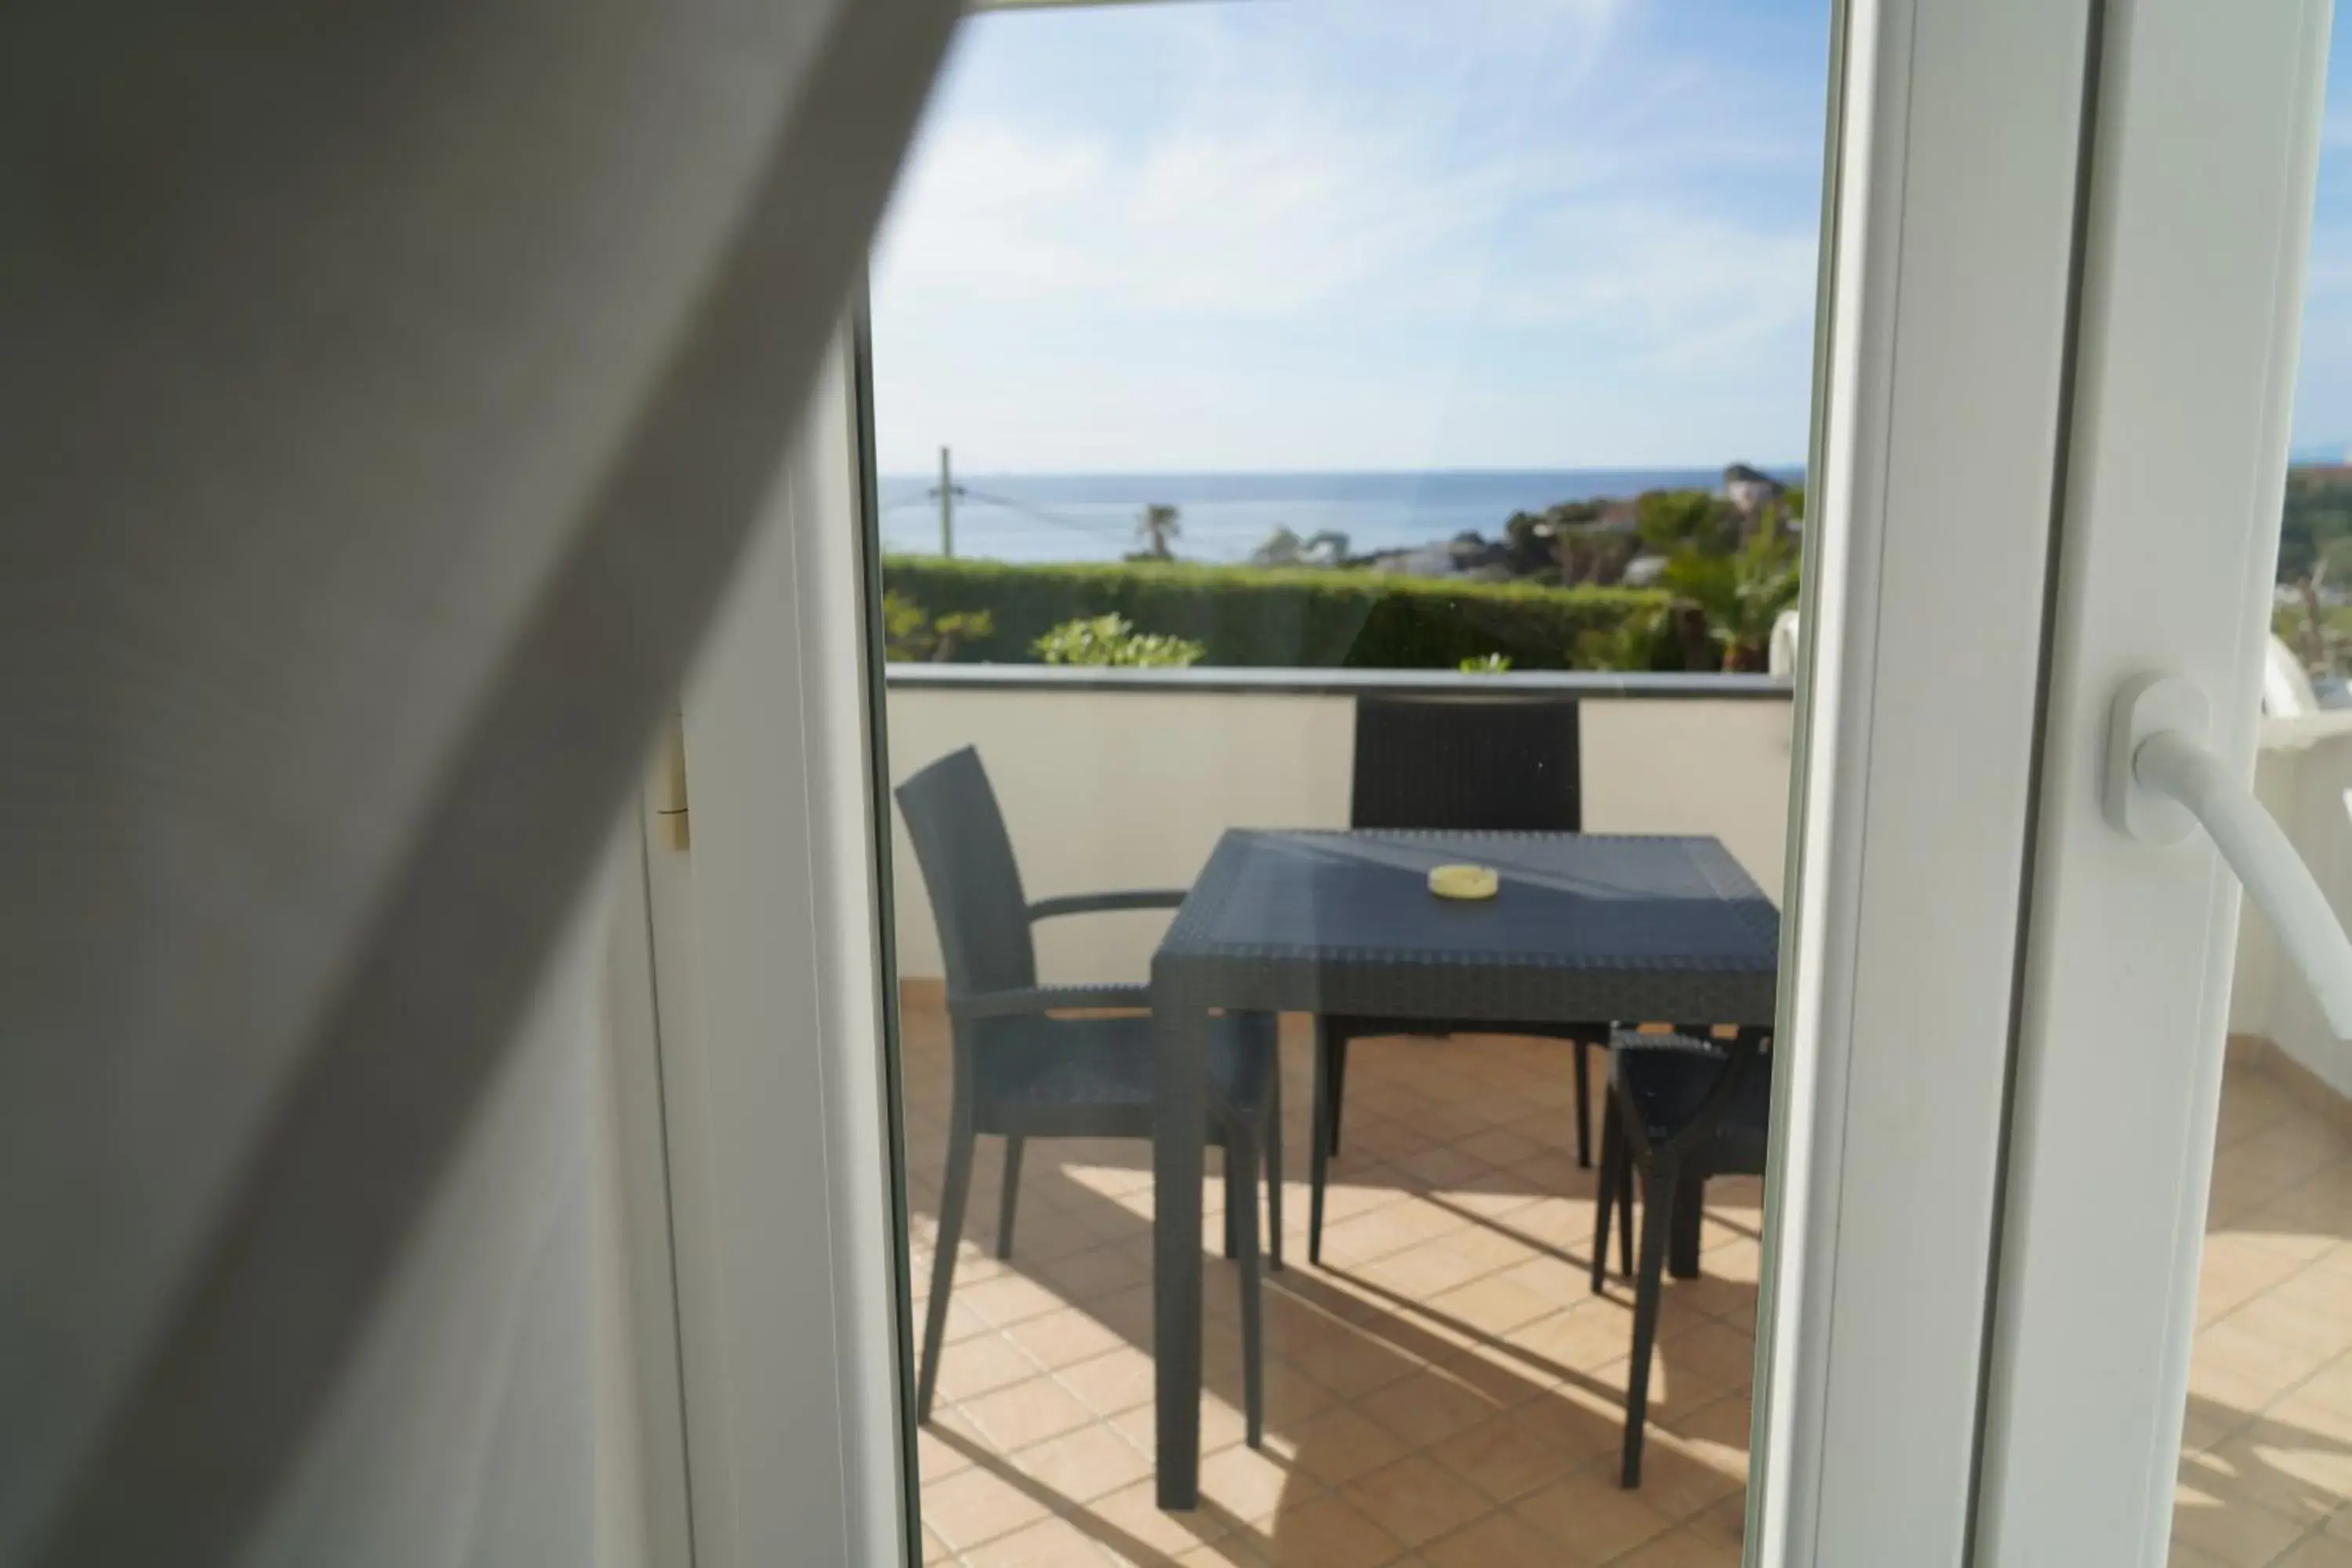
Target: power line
<point>1082,525</point>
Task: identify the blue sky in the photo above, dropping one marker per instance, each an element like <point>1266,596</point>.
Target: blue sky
<point>2323,396</point>
<point>1388,234</point>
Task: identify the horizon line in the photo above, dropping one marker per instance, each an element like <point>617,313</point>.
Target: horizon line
<point>929,471</point>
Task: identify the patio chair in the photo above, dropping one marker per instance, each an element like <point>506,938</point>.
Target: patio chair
<point>1679,1110</point>
<point>1022,1072</point>
<point>1467,761</point>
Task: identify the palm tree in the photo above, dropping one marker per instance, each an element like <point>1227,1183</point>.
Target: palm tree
<point>1158,525</point>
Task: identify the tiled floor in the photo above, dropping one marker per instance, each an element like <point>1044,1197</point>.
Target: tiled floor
<point>2266,1470</point>
<point>1445,1390</point>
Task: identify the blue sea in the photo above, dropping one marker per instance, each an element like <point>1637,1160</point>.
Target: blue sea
<point>1092,517</point>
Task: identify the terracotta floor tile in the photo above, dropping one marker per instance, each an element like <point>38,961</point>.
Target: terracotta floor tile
<point>2235,1530</point>
<point>1685,1548</point>
<point>1504,1457</point>
<point>936,1459</point>
<point>1048,1543</point>
<point>1063,1337</point>
<point>1679,1483</point>
<point>1591,1517</point>
<point>2317,1551</point>
<point>982,1365</point>
<point>1015,1417</point>
<point>1097,1271</point>
<point>1331,1532</point>
<point>1427,1407</point>
<point>1590,1333</point>
<point>2239,1366</point>
<point>1497,1541</point>
<point>1493,1305</point>
<point>1084,1464</point>
<point>1132,1525</point>
<point>1351,1362</point>
<point>1006,1300</point>
<point>1443,1165</point>
<point>1416,1500</point>
<point>1419,1272</point>
<point>976,1505</point>
<point>1231,1552</point>
<point>1341,1444</point>
<point>1110,1384</point>
<point>1710,1354</point>
<point>1250,1484</point>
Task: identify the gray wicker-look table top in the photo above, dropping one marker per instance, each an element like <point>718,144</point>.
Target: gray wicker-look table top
<point>1585,927</point>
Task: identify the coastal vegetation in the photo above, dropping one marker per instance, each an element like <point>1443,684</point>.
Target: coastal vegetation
<point>1667,581</point>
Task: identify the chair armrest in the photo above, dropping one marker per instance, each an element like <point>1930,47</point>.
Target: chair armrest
<point>1103,903</point>
<point>1031,999</point>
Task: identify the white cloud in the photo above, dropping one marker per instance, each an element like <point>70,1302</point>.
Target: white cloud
<point>1520,180</point>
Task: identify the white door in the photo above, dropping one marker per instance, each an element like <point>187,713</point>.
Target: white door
<point>2170,1302</point>
<point>2060,277</point>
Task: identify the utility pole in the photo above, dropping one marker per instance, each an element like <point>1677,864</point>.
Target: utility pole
<point>947,507</point>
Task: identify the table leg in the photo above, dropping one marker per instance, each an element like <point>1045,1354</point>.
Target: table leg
<point>1682,1239</point>
<point>1181,1051</point>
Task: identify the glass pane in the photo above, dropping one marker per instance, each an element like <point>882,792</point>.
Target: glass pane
<point>2266,1462</point>
<point>1281,415</point>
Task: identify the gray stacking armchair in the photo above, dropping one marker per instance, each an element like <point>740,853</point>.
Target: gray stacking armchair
<point>1484,762</point>
<point>1022,1072</point>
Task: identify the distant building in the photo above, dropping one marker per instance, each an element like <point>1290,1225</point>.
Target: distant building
<point>1642,571</point>
<point>1750,490</point>
<point>1466,555</point>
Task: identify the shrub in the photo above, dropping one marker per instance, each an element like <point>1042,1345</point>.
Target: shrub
<point>1111,641</point>
<point>1303,616</point>
<point>908,632</point>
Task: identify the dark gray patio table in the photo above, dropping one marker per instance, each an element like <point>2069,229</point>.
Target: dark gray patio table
<point>1585,926</point>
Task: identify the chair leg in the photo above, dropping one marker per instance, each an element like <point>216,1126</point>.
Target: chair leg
<point>1009,1197</point>
<point>1690,1214</point>
<point>953,1190</point>
<point>1239,1195</point>
<point>1583,1105</point>
<point>1605,1196</point>
<point>1339,1083</point>
<point>1657,1219</point>
<point>1274,1164</point>
<point>1318,1152</point>
<point>1240,1153</point>
<point>1625,1178</point>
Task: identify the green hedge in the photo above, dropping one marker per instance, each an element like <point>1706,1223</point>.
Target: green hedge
<point>1299,616</point>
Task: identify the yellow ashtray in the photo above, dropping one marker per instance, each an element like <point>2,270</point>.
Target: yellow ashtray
<point>1463,881</point>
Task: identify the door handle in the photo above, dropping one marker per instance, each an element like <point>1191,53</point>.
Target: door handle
<point>2163,782</point>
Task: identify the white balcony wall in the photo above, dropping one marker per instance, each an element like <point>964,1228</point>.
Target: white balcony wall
<point>2302,774</point>
<point>1129,788</point>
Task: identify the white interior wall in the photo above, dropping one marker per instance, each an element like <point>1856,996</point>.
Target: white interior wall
<point>490,1414</point>
<point>1121,789</point>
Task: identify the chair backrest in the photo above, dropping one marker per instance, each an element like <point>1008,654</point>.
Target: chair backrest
<point>1467,761</point>
<point>968,865</point>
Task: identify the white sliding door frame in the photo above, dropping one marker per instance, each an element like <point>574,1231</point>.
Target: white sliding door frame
<point>1950,245</point>
<point>788,1253</point>
<point>2200,214</point>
